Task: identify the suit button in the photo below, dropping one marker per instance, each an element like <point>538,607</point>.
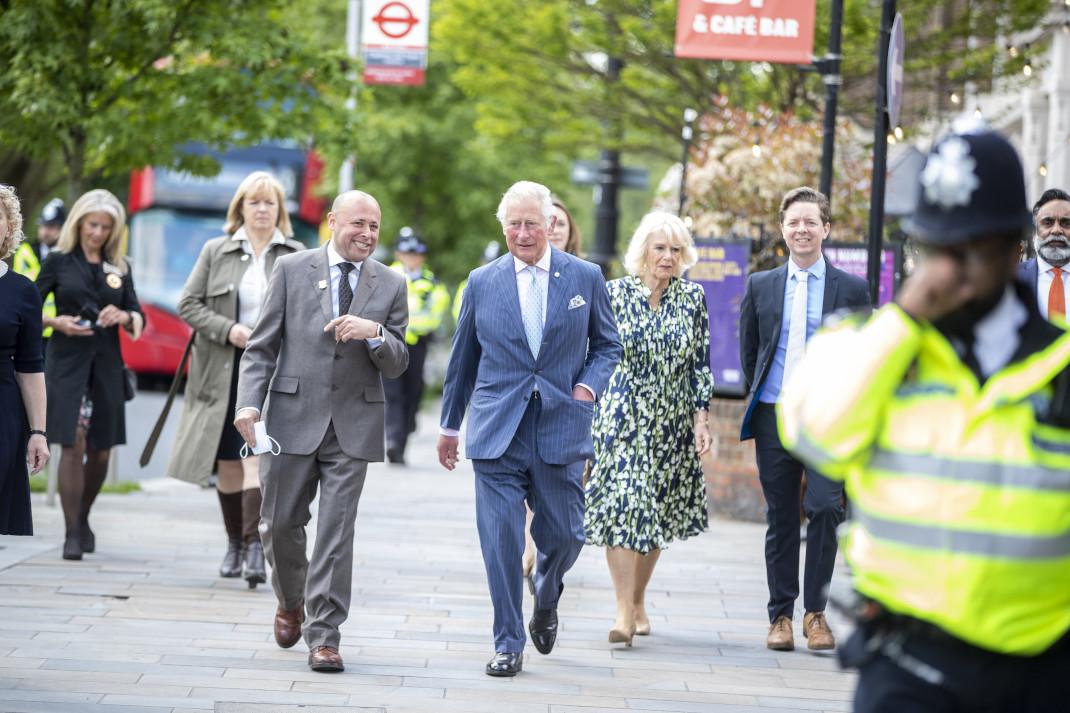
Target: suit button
<point>334,387</point>
<point>525,398</point>
<point>337,357</point>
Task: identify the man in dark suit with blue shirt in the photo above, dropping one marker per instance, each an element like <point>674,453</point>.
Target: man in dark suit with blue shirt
<point>1048,274</point>
<point>536,343</point>
<point>782,308</point>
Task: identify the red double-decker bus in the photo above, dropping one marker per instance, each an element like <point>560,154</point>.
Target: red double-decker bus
<point>172,215</point>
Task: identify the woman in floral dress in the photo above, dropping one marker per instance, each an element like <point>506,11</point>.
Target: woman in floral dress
<point>650,428</point>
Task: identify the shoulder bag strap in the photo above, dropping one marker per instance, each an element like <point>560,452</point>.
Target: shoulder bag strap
<point>150,445</point>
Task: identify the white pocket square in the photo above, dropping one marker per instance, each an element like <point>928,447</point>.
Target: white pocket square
<point>576,302</point>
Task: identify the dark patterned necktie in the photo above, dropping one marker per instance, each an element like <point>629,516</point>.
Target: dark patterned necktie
<point>345,292</point>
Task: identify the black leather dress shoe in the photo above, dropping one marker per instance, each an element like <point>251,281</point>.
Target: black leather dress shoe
<point>504,664</point>
<point>543,629</point>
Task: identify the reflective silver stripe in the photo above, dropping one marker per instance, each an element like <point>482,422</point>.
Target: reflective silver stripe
<point>809,452</point>
<point>966,541</point>
<point>1018,476</point>
<point>1045,444</point>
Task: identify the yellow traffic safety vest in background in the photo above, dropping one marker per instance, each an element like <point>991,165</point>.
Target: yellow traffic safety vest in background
<point>25,263</point>
<point>960,491</point>
<point>428,303</point>
<point>458,298</point>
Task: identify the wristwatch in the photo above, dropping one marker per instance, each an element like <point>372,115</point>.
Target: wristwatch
<point>38,432</point>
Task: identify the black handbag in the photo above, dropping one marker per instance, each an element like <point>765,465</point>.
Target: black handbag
<point>129,383</point>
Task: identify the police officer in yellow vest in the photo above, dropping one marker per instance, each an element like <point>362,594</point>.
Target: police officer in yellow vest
<point>428,304</point>
<point>28,258</point>
<point>947,413</point>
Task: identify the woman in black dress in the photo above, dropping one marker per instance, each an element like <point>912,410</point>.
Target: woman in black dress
<point>22,385</point>
<point>95,296</point>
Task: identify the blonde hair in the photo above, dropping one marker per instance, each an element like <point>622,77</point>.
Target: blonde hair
<point>255,184</point>
<point>659,224</point>
<point>9,203</point>
<point>97,200</point>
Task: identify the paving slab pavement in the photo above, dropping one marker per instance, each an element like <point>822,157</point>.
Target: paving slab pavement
<point>146,626</point>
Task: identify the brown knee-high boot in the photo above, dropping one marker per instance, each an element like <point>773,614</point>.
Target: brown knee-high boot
<point>253,569</point>
<point>231,505</point>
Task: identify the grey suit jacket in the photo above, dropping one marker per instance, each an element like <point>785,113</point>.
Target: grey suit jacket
<point>308,379</point>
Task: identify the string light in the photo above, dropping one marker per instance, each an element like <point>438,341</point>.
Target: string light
<point>977,112</point>
<point>891,139</point>
<point>898,133</point>
<point>1012,50</point>
<point>1027,68</point>
<point>756,150</point>
<point>1043,170</point>
<point>955,99</point>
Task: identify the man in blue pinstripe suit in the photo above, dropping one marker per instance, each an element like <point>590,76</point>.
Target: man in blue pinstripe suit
<point>535,345</point>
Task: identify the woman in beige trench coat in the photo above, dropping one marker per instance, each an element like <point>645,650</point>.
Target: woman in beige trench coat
<point>221,301</point>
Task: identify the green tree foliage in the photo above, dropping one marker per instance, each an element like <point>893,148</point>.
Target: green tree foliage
<point>111,86</point>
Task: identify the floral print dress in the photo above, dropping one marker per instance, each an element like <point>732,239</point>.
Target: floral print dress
<point>646,486</point>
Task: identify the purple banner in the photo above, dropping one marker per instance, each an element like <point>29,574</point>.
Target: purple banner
<point>853,259</point>
<point>722,272</point>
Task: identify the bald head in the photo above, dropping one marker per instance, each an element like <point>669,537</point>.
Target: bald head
<point>354,222</point>
<point>350,197</point>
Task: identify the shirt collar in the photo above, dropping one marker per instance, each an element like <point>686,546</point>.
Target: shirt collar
<point>333,258</point>
<point>276,239</point>
<point>1044,268</point>
<point>1000,327</point>
<point>3,268</point>
<point>816,271</point>
<point>543,263</point>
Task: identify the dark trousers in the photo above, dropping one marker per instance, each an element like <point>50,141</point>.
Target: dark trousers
<point>781,478</point>
<point>556,498</point>
<point>403,396</point>
<point>974,681</point>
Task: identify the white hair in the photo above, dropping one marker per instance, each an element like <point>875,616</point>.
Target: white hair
<point>527,190</point>
<point>659,224</point>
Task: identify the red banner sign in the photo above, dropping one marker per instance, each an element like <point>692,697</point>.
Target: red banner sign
<point>746,30</point>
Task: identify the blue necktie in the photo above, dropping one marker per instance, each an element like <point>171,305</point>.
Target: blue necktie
<point>533,313</point>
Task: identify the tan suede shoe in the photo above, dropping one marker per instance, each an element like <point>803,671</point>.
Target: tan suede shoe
<point>817,632</point>
<point>780,637</point>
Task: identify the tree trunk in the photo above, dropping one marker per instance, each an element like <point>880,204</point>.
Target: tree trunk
<point>75,156</point>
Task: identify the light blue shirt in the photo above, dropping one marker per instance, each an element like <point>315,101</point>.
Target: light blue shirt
<point>815,301</point>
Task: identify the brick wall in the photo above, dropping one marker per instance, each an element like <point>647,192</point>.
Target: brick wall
<point>732,477</point>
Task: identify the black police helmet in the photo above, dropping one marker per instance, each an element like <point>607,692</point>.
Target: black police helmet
<point>410,242</point>
<point>54,213</point>
<point>972,186</point>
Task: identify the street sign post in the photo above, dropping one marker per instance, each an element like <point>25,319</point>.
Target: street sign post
<point>395,41</point>
<point>896,49</point>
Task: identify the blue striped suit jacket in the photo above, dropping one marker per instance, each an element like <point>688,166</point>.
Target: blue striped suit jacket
<point>492,374</point>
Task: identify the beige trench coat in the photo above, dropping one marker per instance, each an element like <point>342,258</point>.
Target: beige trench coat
<point>209,303</point>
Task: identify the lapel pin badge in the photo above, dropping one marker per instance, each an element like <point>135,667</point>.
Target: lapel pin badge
<point>245,257</point>
<point>322,284</point>
<point>557,274</point>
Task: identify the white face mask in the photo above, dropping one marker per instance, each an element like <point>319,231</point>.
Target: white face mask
<point>264,442</point>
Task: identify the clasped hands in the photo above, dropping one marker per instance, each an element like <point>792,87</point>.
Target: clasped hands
<point>447,445</point>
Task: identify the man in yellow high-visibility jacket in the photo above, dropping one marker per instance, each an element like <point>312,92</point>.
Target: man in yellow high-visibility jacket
<point>429,301</point>
<point>28,258</point>
<point>947,413</point>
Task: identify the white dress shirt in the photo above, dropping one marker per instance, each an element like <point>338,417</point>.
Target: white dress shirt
<point>253,283</point>
<point>996,337</point>
<point>1044,278</point>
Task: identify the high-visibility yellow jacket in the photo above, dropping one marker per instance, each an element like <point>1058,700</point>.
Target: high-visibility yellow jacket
<point>458,298</point>
<point>25,263</point>
<point>960,491</point>
<point>428,303</point>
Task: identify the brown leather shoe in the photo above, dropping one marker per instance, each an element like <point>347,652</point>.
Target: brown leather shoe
<point>288,625</point>
<point>780,637</point>
<point>325,659</point>
<point>817,632</point>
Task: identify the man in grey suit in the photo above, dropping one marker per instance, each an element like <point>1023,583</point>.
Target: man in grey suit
<point>535,345</point>
<point>332,325</point>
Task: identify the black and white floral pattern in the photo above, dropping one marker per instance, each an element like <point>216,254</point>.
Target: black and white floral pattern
<point>646,486</point>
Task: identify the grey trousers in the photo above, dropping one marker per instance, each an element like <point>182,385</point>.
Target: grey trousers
<point>289,484</point>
